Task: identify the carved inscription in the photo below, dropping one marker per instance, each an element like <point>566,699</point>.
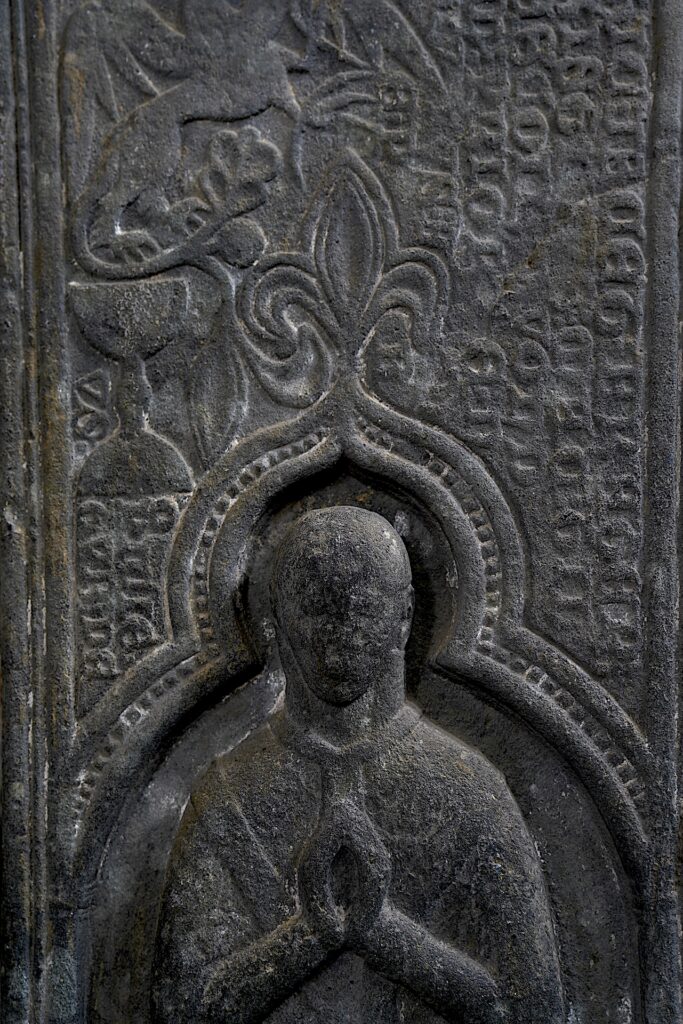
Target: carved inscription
<point>92,410</point>
<point>549,370</point>
<point>127,541</point>
<point>343,324</point>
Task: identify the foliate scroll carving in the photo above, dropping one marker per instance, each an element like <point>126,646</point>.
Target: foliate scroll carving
<point>203,228</point>
<point>142,201</point>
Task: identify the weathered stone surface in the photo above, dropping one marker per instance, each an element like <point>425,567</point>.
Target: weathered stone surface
<point>363,790</point>
<point>340,560</point>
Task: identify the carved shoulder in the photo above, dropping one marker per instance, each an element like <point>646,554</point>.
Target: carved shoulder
<point>261,788</point>
<point>436,776</point>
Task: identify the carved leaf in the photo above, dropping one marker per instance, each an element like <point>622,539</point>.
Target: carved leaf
<point>349,249</point>
<point>217,398</point>
<point>300,378</point>
<point>238,166</point>
<point>277,296</point>
<point>342,93</point>
<point>415,286</point>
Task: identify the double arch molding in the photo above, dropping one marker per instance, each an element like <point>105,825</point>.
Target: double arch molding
<point>487,646</point>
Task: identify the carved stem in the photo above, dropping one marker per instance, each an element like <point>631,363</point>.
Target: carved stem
<point>133,395</point>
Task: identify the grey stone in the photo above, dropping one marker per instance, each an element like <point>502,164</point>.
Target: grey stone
<point>311,864</point>
<point>340,631</point>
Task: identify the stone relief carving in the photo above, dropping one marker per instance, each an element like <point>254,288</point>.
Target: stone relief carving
<point>315,320</point>
<point>352,294</point>
<point>371,801</point>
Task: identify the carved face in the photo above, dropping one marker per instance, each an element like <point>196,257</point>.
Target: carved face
<point>343,600</point>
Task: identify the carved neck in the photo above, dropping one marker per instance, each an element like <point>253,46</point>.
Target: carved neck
<point>350,723</point>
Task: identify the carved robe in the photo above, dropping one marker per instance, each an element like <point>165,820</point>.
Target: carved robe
<point>462,866</point>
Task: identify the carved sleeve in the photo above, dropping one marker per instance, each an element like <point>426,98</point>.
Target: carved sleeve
<point>503,907</point>
<point>230,946</point>
<point>203,919</point>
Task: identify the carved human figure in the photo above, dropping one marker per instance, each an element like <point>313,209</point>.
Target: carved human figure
<point>350,861</point>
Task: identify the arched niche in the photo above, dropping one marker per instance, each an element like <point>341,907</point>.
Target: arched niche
<point>466,551</point>
<point>129,888</point>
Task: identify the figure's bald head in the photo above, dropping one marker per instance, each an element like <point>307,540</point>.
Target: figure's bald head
<point>342,598</point>
<point>336,545</point>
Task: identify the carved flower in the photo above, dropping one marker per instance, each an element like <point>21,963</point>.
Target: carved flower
<point>238,166</point>
<point>309,319</point>
<point>156,234</point>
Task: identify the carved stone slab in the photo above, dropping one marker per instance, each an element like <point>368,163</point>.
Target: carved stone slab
<point>340,462</point>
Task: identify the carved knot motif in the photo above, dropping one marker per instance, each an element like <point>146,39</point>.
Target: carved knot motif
<point>313,320</point>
